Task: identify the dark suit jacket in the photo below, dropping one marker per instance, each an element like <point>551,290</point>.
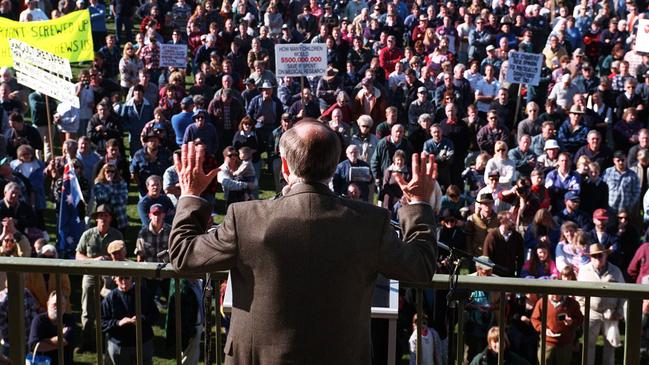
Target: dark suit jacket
<point>303,269</point>
<point>506,253</point>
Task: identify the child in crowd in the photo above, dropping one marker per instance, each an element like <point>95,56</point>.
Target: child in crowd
<point>32,169</point>
<point>431,344</point>
<point>246,171</point>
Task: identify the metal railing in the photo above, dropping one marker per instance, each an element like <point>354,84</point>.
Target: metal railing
<point>14,267</point>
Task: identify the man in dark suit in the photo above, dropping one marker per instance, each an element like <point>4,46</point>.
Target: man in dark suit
<point>303,266</point>
<point>307,24</point>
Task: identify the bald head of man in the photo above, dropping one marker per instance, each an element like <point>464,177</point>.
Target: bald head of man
<point>309,151</point>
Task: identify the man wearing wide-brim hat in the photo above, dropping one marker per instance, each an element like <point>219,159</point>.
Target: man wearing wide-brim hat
<point>93,245</point>
<point>604,312</point>
<point>329,86</point>
<point>266,110</point>
<point>572,133</point>
<point>152,159</point>
<point>479,222</point>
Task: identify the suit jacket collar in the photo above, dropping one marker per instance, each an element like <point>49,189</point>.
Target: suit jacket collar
<point>311,187</point>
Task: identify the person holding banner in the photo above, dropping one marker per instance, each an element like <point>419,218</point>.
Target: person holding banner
<point>32,13</point>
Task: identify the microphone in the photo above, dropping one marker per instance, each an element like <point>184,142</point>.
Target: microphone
<point>498,269</point>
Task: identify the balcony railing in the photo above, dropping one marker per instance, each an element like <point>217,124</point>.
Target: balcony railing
<point>633,293</point>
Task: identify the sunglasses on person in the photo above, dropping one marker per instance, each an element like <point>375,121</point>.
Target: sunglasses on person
<point>232,155</point>
<point>9,240</point>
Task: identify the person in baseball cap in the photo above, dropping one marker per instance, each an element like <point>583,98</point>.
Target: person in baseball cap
<point>571,212</point>
<point>600,214</point>
<point>600,233</point>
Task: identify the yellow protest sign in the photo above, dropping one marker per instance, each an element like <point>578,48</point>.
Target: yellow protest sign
<point>69,36</point>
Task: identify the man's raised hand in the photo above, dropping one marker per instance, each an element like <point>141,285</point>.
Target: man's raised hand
<point>189,167</point>
<point>424,172</point>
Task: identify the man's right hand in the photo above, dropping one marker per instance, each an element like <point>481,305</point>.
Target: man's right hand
<point>192,178</point>
<point>424,172</point>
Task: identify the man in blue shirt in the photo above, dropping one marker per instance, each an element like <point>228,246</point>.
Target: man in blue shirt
<point>561,180</point>
<point>182,120</point>
<point>206,132</point>
<point>151,159</point>
<point>97,12</point>
<point>623,185</point>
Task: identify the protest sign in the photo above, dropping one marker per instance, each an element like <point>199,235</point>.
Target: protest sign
<point>173,55</point>
<point>41,71</point>
<point>45,60</point>
<point>69,36</point>
<point>642,36</point>
<point>300,59</point>
<point>524,68</point>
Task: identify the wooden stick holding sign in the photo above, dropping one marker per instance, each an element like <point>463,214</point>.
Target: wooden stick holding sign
<point>49,128</point>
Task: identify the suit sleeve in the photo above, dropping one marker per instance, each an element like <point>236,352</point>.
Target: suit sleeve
<point>191,249</point>
<point>414,258</point>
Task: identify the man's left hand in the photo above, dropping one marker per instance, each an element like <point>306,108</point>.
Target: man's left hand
<point>189,166</point>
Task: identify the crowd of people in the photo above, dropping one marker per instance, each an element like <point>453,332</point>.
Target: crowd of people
<point>547,181</point>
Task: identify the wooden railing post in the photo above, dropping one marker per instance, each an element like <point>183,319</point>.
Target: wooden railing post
<point>178,322</point>
<point>96,302</point>
<point>584,353</point>
<point>138,321</point>
<point>16,317</point>
<point>633,331</point>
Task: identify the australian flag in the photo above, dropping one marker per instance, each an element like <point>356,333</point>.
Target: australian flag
<point>70,224</point>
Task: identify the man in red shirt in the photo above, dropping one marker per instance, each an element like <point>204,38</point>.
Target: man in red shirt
<point>389,56</point>
<point>563,318</point>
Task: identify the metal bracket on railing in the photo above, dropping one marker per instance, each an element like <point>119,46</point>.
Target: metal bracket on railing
<point>164,256</point>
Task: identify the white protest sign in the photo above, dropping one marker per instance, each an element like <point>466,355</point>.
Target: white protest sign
<point>173,55</point>
<point>41,58</point>
<point>41,71</point>
<point>300,59</point>
<point>524,68</point>
<point>642,36</point>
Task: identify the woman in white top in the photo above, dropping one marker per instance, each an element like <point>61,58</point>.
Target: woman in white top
<point>129,66</point>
